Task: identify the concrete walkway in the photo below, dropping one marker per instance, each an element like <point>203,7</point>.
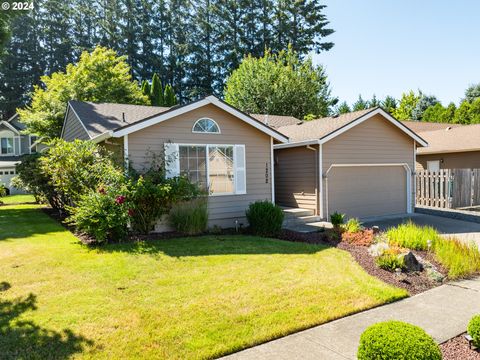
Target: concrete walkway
<point>442,312</point>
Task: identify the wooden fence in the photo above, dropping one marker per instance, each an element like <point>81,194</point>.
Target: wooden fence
<point>448,188</point>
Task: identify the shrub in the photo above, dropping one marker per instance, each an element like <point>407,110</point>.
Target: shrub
<point>390,260</point>
<point>353,225</point>
<point>265,218</point>
<point>361,237</point>
<point>474,330</point>
<point>459,258</point>
<point>152,196</point>
<point>412,236</point>
<point>32,179</point>
<point>337,219</point>
<point>102,214</point>
<point>190,217</point>
<point>77,168</point>
<point>397,340</point>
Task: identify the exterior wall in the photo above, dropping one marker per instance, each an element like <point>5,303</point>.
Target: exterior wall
<point>115,146</point>
<point>73,128</point>
<point>459,160</point>
<point>375,141</point>
<point>296,177</point>
<point>225,209</point>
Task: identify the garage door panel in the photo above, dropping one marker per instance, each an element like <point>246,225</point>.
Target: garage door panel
<point>367,191</point>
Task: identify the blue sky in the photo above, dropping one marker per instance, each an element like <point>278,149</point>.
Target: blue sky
<point>390,46</point>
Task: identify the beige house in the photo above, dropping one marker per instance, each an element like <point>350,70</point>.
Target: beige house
<point>210,142</point>
<point>452,147</point>
<point>361,164</point>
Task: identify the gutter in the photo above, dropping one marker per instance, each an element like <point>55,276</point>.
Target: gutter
<point>102,137</point>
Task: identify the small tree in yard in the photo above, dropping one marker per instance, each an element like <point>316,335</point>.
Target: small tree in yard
<point>99,76</point>
<point>280,84</point>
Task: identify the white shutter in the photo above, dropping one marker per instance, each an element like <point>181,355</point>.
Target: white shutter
<point>172,161</point>
<point>240,170</point>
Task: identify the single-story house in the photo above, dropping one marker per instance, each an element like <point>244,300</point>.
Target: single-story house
<point>208,141</point>
<point>360,163</point>
<point>453,147</point>
<point>13,144</point>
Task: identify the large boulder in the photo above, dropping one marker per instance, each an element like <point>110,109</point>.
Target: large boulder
<point>411,263</point>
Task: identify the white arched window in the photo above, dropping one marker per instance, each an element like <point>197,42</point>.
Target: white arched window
<point>206,125</point>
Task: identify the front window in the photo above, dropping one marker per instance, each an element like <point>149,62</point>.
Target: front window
<point>209,166</point>
<point>6,145</point>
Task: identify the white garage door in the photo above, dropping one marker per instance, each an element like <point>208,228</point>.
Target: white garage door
<point>5,176</point>
<point>367,190</point>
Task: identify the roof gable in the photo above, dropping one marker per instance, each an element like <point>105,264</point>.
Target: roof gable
<point>322,130</point>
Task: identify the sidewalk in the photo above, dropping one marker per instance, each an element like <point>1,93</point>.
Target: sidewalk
<point>443,312</point>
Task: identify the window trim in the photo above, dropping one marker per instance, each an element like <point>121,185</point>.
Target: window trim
<point>13,145</point>
<point>234,193</point>
<point>204,132</point>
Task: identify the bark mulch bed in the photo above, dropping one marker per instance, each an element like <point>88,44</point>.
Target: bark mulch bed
<point>457,348</point>
<point>414,283</point>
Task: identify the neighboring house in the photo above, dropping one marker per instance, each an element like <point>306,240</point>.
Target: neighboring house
<point>208,141</point>
<point>451,148</point>
<point>13,144</point>
<point>360,164</point>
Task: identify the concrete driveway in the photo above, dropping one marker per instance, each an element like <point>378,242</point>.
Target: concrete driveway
<point>464,230</point>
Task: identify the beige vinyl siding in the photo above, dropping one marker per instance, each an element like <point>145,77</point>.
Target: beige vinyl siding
<point>375,141</point>
<point>295,177</point>
<point>458,160</point>
<point>225,209</point>
<point>73,128</point>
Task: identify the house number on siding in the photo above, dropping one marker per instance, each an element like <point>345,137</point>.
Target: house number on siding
<point>266,173</point>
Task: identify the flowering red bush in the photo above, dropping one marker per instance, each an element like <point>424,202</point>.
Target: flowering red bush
<point>120,200</point>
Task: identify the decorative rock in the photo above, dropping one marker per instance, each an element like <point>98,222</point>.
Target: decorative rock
<point>411,262</point>
<point>375,229</point>
<point>378,249</point>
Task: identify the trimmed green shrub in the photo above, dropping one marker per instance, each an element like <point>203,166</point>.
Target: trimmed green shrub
<point>474,330</point>
<point>190,217</point>
<point>353,225</point>
<point>390,261</point>
<point>396,340</point>
<point>412,236</point>
<point>337,219</point>
<point>102,214</point>
<point>265,218</point>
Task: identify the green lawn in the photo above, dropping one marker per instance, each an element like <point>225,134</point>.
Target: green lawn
<point>17,199</point>
<point>177,299</point>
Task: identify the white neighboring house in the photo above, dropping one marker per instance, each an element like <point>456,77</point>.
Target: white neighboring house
<point>13,144</point>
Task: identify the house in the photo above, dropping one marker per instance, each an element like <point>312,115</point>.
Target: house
<point>360,164</point>
<point>208,141</point>
<point>453,147</point>
<point>13,144</point>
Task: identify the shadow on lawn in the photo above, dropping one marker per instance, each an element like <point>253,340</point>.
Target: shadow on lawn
<point>215,245</point>
<point>22,339</point>
<point>24,222</point>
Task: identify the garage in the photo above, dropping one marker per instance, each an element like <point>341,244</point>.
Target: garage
<point>7,172</point>
<point>370,190</point>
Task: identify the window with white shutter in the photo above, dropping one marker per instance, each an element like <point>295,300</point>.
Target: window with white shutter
<point>240,170</point>
<point>172,163</point>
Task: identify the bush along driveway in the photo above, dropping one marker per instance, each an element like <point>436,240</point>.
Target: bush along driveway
<point>199,297</point>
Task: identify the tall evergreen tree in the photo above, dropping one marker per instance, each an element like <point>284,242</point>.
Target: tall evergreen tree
<point>146,89</point>
<point>169,96</point>
<point>156,91</point>
<point>360,104</point>
<point>389,104</point>
<point>343,108</point>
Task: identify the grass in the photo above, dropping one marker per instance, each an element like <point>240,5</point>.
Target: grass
<point>461,259</point>
<point>187,298</point>
<point>17,199</point>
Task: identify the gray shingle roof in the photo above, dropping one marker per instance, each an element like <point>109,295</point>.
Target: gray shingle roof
<point>276,121</point>
<point>316,129</point>
<point>99,118</point>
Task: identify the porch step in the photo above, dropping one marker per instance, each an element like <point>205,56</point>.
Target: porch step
<point>299,216</point>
